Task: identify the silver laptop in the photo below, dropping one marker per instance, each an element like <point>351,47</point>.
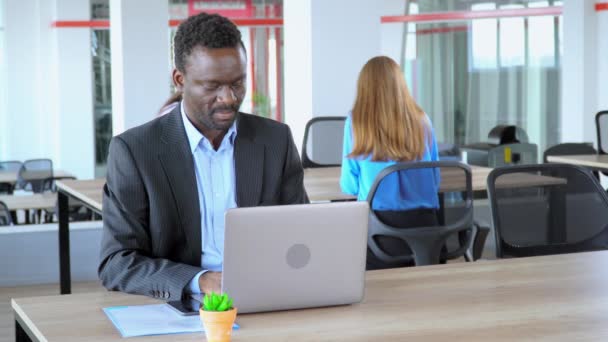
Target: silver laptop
<point>295,256</point>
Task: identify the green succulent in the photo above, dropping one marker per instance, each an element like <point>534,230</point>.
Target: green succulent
<point>216,302</point>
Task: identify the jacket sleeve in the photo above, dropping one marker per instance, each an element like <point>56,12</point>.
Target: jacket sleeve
<point>127,262</point>
<point>292,184</point>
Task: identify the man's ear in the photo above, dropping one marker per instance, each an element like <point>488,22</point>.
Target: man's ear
<point>178,79</point>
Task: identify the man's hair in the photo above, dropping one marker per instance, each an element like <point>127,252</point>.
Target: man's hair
<point>204,30</point>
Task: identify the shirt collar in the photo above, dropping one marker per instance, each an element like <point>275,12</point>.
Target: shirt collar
<point>195,137</point>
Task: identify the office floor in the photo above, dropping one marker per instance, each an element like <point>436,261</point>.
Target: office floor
<point>7,321</point>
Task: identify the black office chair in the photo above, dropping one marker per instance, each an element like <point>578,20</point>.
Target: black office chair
<point>35,175</point>
<point>547,209</point>
<point>8,166</point>
<point>417,237</point>
<point>327,133</point>
<point>601,127</point>
<point>5,215</point>
<point>569,149</point>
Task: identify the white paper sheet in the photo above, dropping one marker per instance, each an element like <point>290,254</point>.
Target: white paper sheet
<point>155,319</point>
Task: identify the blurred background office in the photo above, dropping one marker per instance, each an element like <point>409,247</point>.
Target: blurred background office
<point>73,73</point>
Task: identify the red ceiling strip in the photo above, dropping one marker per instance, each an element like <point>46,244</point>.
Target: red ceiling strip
<point>245,22</point>
<point>601,6</point>
<point>469,15</point>
<point>82,23</point>
<point>172,23</point>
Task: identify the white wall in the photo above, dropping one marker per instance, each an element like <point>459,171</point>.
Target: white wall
<point>29,254</point>
<point>3,84</point>
<point>49,86</point>
<point>326,45</point>
<point>297,68</point>
<point>392,34</point>
<point>602,59</point>
<point>140,60</point>
<point>345,35</point>
<point>582,68</point>
<point>74,128</point>
<point>22,124</point>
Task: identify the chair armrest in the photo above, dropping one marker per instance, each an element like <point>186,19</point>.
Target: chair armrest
<point>479,241</point>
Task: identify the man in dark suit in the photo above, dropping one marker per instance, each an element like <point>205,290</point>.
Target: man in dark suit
<point>170,181</point>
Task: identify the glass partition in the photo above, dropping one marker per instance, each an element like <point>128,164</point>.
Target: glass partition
<point>473,65</point>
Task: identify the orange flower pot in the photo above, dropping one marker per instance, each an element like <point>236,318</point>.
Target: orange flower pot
<point>218,324</point>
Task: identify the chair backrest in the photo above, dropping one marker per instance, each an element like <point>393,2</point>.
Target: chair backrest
<point>8,166</point>
<point>601,127</point>
<point>12,165</point>
<point>451,191</point>
<point>547,209</point>
<point>323,139</point>
<point>569,149</point>
<point>35,175</point>
<point>5,215</point>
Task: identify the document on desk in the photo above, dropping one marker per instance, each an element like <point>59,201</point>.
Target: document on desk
<point>155,319</point>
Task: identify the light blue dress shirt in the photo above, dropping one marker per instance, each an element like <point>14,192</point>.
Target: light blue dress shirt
<point>216,186</point>
<point>396,192</point>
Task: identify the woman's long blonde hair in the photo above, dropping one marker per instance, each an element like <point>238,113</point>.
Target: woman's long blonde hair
<point>387,122</point>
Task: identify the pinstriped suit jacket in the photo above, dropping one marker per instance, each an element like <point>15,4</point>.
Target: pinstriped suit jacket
<point>151,241</point>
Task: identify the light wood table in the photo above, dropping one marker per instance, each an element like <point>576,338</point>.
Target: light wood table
<point>594,161</point>
<point>89,192</point>
<point>11,176</point>
<point>323,184</point>
<point>46,200</point>
<point>551,298</point>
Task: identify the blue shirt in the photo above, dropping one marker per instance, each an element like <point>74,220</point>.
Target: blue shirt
<point>216,185</point>
<point>407,190</point>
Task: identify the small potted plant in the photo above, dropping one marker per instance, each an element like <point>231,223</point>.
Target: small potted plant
<point>217,315</point>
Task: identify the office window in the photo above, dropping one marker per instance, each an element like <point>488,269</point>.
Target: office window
<point>541,41</point>
<point>471,75</point>
<point>483,36</point>
<point>410,51</point>
<point>3,85</point>
<point>512,40</point>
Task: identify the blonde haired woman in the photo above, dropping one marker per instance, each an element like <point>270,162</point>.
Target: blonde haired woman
<point>386,127</point>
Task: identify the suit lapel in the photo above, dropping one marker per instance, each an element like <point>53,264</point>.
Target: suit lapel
<point>248,164</point>
<point>178,164</point>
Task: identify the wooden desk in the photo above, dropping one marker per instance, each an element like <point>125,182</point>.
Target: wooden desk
<point>560,297</point>
<point>34,201</point>
<point>11,177</point>
<point>594,161</point>
<point>88,192</point>
<point>323,184</point>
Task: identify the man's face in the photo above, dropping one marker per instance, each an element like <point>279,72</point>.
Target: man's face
<point>213,86</point>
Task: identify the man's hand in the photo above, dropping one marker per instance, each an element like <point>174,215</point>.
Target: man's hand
<point>210,281</point>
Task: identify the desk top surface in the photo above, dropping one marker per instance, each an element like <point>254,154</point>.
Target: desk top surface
<point>561,297</point>
<point>598,161</point>
<point>89,191</point>
<point>323,184</point>
<point>11,176</point>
